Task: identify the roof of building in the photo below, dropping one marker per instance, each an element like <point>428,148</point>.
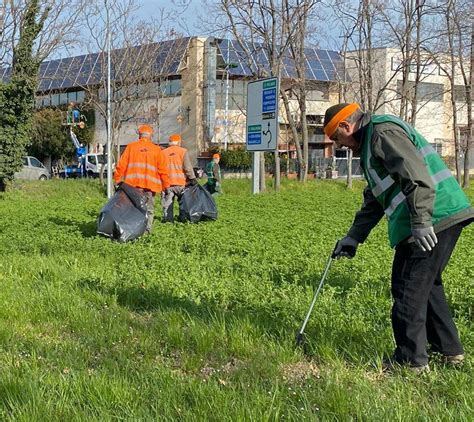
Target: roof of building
<point>90,69</point>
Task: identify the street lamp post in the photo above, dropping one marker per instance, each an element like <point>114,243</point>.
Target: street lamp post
<point>109,114</point>
<point>226,102</point>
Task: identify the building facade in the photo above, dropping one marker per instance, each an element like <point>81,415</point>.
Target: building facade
<point>198,89</point>
<point>434,110</point>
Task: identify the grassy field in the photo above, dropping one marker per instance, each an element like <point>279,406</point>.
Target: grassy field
<point>197,322</point>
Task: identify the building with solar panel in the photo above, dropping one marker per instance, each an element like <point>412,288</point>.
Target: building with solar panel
<point>194,86</point>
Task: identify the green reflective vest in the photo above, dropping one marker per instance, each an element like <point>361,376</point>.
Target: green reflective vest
<point>210,172</point>
<point>449,197</point>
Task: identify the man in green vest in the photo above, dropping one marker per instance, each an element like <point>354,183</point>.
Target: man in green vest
<point>410,185</point>
<point>213,172</point>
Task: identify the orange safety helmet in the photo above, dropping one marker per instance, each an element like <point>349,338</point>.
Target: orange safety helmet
<point>216,156</point>
<point>145,129</point>
<point>175,137</point>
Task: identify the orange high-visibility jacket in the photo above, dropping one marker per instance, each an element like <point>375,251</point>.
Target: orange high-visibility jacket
<point>143,165</point>
<point>176,169</point>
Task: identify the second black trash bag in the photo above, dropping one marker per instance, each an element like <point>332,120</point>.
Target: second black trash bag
<point>197,204</point>
<point>124,217</point>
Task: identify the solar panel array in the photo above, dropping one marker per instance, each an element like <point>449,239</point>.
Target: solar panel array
<point>90,69</point>
<point>320,65</point>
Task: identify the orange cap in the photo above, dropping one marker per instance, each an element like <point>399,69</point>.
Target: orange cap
<point>145,129</point>
<point>175,137</point>
<point>339,117</point>
<point>216,156</point>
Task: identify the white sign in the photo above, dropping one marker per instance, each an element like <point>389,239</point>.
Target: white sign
<point>262,115</point>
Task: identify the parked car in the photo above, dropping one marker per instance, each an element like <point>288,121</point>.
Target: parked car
<point>33,169</point>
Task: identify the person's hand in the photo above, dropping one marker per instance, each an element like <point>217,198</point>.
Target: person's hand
<point>117,186</point>
<point>425,238</point>
<point>193,182</point>
<point>345,247</point>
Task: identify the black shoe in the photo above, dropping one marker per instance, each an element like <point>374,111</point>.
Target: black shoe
<point>391,365</point>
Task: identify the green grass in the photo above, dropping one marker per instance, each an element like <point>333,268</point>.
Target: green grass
<point>197,322</point>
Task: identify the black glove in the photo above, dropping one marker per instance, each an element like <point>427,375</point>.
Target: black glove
<point>193,182</point>
<point>345,247</point>
<point>117,186</point>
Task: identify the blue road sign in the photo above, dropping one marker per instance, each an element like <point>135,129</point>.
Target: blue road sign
<point>269,100</point>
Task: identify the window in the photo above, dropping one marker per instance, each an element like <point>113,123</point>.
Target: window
<point>426,91</point>
<point>25,161</point>
<point>314,119</point>
<point>92,160</point>
<point>438,146</point>
<point>35,163</point>
<point>171,87</point>
<point>460,93</point>
<point>80,96</point>
<point>55,99</point>
<point>426,67</point>
<point>63,98</point>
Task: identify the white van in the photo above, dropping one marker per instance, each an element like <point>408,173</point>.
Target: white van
<point>33,169</point>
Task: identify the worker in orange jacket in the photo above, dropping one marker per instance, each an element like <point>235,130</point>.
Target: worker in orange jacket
<point>144,166</point>
<point>180,171</point>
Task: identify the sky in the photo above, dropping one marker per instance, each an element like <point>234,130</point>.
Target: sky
<point>188,24</point>
<point>190,16</point>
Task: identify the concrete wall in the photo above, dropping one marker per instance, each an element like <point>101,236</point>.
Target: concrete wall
<point>192,73</point>
<point>161,114</point>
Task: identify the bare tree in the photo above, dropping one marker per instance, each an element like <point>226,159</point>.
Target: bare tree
<point>141,62</point>
<point>276,31</point>
<point>62,22</point>
<point>454,55</point>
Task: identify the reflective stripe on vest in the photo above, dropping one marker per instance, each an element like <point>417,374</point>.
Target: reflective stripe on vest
<point>396,201</point>
<point>142,166</point>
<point>381,185</point>
<point>177,176</point>
<point>130,176</point>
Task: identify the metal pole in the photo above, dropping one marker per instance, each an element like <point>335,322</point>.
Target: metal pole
<point>109,114</point>
<point>256,172</point>
<point>310,310</point>
<point>226,106</point>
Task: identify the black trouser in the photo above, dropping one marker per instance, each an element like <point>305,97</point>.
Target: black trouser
<point>420,313</point>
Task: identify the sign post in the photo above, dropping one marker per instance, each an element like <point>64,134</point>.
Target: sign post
<point>262,122</point>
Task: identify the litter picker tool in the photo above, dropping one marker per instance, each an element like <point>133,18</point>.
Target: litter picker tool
<point>349,251</point>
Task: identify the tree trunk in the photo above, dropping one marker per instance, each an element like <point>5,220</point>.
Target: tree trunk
<point>469,113</point>
<point>294,132</point>
<point>453,98</point>
<point>304,130</point>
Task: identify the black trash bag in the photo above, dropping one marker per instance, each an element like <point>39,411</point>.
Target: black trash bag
<point>124,217</point>
<point>196,204</point>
